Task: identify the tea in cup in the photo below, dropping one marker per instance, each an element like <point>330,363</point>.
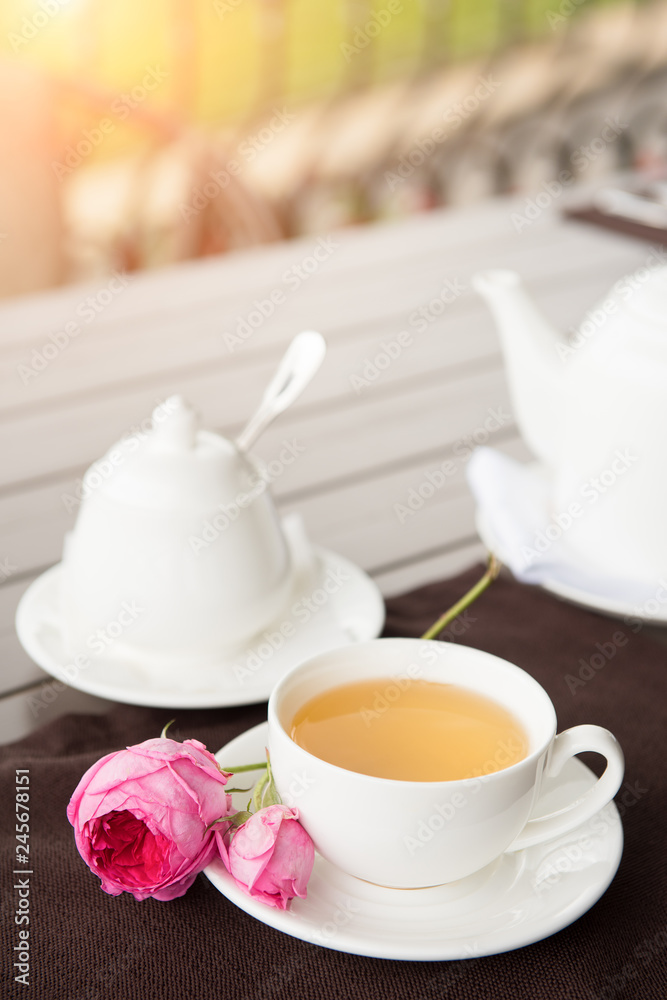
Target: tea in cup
<point>421,731</point>
<point>416,763</point>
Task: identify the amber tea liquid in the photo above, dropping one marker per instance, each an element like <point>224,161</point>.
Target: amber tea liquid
<point>409,730</point>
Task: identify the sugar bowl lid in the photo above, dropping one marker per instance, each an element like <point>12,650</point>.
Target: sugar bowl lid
<point>174,465</point>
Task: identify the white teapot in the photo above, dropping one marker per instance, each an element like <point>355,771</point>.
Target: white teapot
<point>594,411</point>
<point>178,553</point>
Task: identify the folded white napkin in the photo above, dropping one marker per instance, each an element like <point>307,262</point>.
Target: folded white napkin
<point>515,521</point>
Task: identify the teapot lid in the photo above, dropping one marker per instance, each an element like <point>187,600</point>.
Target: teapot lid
<point>173,466</point>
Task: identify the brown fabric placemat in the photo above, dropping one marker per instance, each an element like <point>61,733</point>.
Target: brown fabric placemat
<point>86,945</point>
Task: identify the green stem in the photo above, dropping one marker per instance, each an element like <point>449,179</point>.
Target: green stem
<point>163,734</point>
<point>246,767</point>
<point>491,573</point>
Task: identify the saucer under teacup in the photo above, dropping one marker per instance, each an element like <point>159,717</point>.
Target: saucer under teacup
<point>352,611</point>
<point>520,898</point>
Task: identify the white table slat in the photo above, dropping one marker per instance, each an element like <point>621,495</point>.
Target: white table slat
<point>437,567</point>
<point>387,247</point>
<point>81,431</point>
<point>153,351</point>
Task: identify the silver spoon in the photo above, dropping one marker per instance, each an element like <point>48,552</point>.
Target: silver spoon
<point>300,362</point>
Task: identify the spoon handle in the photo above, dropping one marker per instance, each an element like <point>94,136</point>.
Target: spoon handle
<point>300,362</point>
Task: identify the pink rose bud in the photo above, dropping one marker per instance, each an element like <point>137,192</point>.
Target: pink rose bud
<point>140,817</point>
<point>270,856</point>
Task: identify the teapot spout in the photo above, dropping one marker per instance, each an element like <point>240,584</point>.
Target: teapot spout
<point>535,372</point>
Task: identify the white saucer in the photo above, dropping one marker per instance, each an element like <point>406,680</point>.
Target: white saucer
<point>513,505</point>
<point>352,613</point>
<point>636,607</point>
<point>518,899</point>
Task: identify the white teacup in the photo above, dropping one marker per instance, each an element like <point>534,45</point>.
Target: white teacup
<point>370,827</point>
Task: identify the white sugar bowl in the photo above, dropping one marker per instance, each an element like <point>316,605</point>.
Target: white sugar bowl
<point>178,553</point>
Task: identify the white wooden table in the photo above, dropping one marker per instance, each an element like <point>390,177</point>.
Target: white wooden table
<point>365,446</point>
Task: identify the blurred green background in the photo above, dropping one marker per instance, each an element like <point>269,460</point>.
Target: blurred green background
<point>227,59</point>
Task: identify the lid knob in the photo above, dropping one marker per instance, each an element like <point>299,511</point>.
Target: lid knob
<point>175,425</point>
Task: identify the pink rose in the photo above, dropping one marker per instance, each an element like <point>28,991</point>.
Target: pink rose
<point>140,816</point>
<point>270,856</point>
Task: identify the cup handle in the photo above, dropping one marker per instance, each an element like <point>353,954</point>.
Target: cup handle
<point>566,745</point>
